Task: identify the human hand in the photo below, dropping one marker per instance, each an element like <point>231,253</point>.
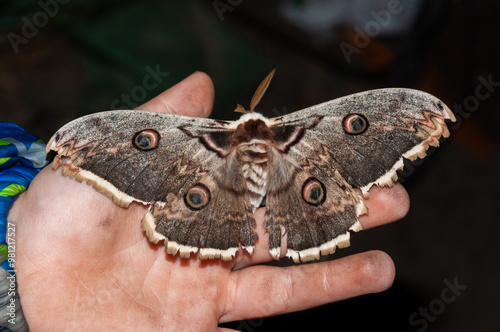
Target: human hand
<point>84,263</point>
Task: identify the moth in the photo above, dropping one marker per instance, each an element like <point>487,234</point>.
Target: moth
<point>204,178</point>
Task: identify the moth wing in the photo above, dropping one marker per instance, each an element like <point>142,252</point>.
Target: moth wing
<point>318,143</point>
<point>217,229</point>
<point>317,212</point>
<point>401,123</point>
<point>107,151</point>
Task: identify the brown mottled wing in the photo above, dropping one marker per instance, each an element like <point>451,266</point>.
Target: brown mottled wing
<point>100,149</point>
<point>312,229</point>
<point>402,123</point>
<point>218,229</point>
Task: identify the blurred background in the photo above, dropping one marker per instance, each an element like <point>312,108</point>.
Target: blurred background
<point>61,59</point>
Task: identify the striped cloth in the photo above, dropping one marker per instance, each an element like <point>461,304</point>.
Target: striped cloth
<point>22,155</point>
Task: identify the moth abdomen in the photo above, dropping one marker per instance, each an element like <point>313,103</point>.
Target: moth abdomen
<point>253,158</point>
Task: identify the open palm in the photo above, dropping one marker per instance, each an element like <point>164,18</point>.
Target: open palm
<point>84,263</point>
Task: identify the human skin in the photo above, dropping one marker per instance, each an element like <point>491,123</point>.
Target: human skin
<point>83,263</point>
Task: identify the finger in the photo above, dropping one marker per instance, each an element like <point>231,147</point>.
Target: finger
<point>385,205</point>
<point>261,250</point>
<point>262,291</point>
<point>194,96</point>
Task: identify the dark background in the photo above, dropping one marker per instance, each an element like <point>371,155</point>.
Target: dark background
<point>84,55</point>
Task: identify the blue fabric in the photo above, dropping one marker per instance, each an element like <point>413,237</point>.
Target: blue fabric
<point>22,155</point>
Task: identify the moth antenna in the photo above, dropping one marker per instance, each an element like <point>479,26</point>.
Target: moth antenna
<point>261,90</point>
<point>240,109</point>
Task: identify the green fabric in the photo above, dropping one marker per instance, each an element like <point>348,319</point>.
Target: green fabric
<point>12,190</point>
